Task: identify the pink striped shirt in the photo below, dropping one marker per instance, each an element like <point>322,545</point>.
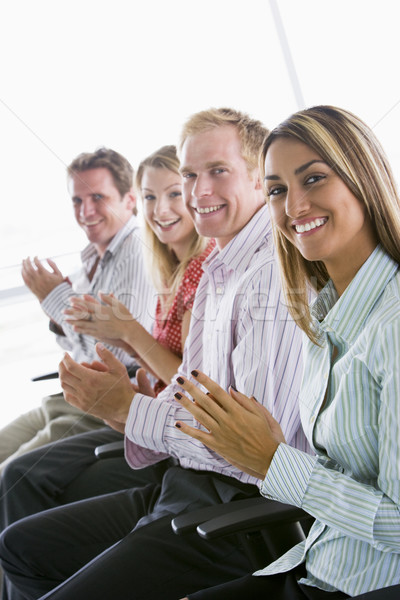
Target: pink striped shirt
<point>241,335</point>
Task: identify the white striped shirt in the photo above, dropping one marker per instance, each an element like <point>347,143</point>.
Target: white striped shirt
<point>352,487</point>
<point>120,271</point>
<point>241,335</point>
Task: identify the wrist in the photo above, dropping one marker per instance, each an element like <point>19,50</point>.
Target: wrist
<point>130,332</point>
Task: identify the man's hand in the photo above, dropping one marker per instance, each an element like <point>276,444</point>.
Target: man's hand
<point>40,280</point>
<point>143,385</point>
<point>102,389</point>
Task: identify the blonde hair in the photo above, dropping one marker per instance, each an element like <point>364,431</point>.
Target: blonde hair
<point>166,270</point>
<point>250,131</point>
<point>352,151</point>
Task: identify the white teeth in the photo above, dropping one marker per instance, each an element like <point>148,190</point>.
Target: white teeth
<point>87,224</point>
<point>167,223</point>
<point>310,225</point>
<point>208,209</point>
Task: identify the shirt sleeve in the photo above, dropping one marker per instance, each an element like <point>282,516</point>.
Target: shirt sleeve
<point>370,511</point>
<point>54,305</point>
<point>128,281</point>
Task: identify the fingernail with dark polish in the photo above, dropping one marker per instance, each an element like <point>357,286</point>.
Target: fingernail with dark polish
<point>180,380</point>
<point>195,373</point>
<point>178,395</point>
<point>178,425</point>
<point>233,387</point>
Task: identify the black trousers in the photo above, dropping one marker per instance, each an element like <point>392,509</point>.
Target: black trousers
<point>283,586</point>
<point>121,545</point>
<point>67,471</point>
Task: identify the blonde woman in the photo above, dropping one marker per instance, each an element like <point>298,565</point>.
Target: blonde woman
<point>336,214</point>
<point>174,253</point>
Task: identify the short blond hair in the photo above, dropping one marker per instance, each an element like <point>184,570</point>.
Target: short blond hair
<point>250,131</point>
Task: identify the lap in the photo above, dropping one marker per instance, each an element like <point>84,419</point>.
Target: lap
<point>124,543</point>
<point>67,471</point>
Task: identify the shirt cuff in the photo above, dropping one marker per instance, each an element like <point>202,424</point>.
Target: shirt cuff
<point>146,422</point>
<point>288,475</point>
<point>57,299</point>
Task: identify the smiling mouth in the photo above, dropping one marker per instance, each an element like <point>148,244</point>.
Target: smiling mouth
<point>310,225</point>
<point>208,209</point>
<point>91,223</point>
<point>167,223</point>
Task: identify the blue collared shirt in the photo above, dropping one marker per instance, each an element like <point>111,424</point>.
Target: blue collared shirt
<point>350,411</point>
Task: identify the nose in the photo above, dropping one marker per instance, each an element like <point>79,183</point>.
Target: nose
<point>161,206</point>
<point>202,186</point>
<point>87,209</point>
<point>297,203</point>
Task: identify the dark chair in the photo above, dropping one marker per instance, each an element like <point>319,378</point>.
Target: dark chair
<point>111,450</point>
<point>266,528</point>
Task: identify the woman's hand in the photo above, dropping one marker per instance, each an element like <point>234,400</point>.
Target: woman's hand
<point>238,428</point>
<point>107,320</point>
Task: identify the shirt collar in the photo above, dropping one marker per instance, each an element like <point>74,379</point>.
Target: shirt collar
<point>89,254</point>
<point>346,315</point>
<point>238,253</point>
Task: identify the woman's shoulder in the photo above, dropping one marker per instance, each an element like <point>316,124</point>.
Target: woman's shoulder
<point>194,265</point>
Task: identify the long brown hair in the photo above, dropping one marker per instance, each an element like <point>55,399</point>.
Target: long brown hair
<point>353,152</point>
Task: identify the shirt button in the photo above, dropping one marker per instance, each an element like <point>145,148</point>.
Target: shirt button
<point>312,419</point>
<point>326,375</point>
<point>219,290</point>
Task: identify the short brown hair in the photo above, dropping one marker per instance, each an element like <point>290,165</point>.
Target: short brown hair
<point>251,132</point>
<point>120,168</point>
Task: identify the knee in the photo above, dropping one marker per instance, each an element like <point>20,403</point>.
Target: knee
<point>12,474</point>
<point>9,544</point>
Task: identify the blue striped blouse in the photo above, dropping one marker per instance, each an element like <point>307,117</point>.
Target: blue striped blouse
<point>352,486</point>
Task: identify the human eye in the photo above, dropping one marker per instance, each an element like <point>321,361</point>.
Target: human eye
<point>149,197</point>
<point>175,194</point>
<point>313,179</point>
<point>218,170</point>
<point>187,175</point>
<point>76,201</point>
<point>275,191</point>
<point>98,197</point>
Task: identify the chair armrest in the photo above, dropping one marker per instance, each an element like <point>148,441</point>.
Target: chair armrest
<point>263,515</point>
<point>235,517</point>
<point>111,450</point>
<point>188,522</point>
<point>266,529</point>
<point>53,375</point>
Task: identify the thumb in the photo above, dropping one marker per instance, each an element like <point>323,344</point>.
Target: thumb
<point>107,298</point>
<point>108,357</point>
<point>143,382</point>
<point>241,399</point>
<point>53,265</point>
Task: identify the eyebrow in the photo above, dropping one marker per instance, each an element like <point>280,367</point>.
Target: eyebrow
<point>167,188</point>
<point>208,165</point>
<point>297,171</point>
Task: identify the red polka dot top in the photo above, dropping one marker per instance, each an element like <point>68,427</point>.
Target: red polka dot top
<point>168,331</point>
